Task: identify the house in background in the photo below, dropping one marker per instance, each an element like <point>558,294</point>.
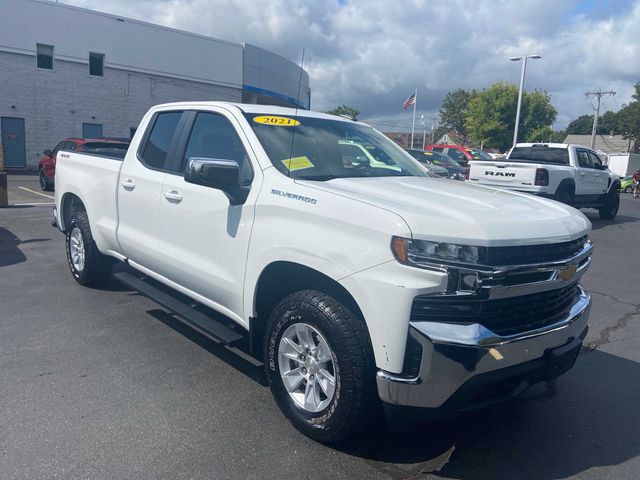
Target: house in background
<point>605,143</point>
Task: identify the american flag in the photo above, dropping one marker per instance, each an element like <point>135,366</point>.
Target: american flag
<point>409,101</point>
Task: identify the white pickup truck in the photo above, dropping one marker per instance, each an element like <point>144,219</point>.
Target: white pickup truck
<point>359,285</point>
<point>571,174</point>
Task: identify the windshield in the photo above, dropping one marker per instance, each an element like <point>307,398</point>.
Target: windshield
<point>540,154</point>
<point>478,154</point>
<point>323,149</point>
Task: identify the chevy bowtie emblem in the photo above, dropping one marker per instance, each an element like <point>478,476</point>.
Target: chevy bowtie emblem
<point>568,272</point>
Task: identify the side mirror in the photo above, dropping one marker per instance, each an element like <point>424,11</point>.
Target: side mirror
<point>48,153</point>
<point>218,173</point>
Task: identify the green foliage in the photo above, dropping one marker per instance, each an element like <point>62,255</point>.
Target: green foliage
<point>581,125</point>
<point>345,110</point>
<point>492,111</point>
<point>629,117</point>
<point>453,112</point>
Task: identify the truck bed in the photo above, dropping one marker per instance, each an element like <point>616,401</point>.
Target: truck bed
<point>97,173</point>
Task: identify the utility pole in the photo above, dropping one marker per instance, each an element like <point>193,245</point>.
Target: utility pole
<point>598,94</point>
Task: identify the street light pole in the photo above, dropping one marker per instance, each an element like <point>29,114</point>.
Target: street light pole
<point>522,73</point>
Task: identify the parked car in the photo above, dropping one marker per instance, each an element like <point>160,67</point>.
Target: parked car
<point>47,164</point>
<point>571,174</point>
<point>356,287</point>
<point>462,155</point>
<point>435,159</point>
<point>626,184</point>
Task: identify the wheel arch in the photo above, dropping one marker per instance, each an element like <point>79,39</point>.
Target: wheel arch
<point>567,184</point>
<point>70,204</point>
<point>281,278</point>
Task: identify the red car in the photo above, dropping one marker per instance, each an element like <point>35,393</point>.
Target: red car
<point>462,155</point>
<point>47,164</point>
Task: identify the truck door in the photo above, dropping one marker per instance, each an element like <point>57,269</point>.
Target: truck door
<point>585,180</point>
<point>140,187</point>
<point>204,238</point>
<point>600,174</point>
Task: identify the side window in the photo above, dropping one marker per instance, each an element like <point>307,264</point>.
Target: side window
<point>583,159</point>
<point>455,154</point>
<point>159,140</point>
<point>438,149</point>
<point>59,146</point>
<point>595,160</point>
<point>213,136</point>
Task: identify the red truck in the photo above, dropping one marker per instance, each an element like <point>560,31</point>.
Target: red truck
<point>460,154</point>
<point>104,146</point>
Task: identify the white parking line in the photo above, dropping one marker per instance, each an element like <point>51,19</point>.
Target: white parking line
<point>37,193</point>
<point>33,204</point>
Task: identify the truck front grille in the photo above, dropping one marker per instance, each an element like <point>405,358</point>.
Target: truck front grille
<point>506,316</point>
<point>530,254</point>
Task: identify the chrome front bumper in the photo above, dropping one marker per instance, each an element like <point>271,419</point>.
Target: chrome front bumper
<point>462,364</point>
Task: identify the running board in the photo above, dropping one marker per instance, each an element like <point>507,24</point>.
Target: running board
<point>186,313</point>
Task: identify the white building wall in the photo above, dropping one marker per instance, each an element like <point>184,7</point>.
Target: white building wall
<point>55,103</point>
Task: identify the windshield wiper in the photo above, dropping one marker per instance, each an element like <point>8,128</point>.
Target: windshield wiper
<point>318,178</point>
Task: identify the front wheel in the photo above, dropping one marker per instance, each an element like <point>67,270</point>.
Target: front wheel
<point>88,266</point>
<point>320,366</point>
<point>610,208</point>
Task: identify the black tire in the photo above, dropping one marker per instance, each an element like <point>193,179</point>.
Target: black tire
<point>564,196</point>
<point>97,267</point>
<point>610,208</point>
<point>355,403</point>
<point>45,184</point>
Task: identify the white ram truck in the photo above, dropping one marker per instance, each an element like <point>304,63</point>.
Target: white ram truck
<point>359,285</point>
<point>571,174</point>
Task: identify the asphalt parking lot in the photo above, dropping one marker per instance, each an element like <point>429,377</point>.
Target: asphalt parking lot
<point>106,384</point>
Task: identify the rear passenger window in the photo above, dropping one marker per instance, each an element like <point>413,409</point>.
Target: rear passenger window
<point>213,136</point>
<point>155,151</point>
<point>457,155</point>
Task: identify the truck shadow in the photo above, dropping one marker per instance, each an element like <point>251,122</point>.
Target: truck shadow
<point>236,357</point>
<point>10,252</point>
<point>592,421</point>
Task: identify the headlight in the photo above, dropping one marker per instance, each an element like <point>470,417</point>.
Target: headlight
<point>423,252</point>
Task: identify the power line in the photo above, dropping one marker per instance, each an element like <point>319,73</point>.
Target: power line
<point>598,95</point>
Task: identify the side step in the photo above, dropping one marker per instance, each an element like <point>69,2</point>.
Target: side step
<point>187,314</point>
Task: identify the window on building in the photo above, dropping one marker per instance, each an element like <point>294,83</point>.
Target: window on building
<point>96,64</point>
<point>91,130</point>
<point>155,151</point>
<point>44,56</point>
<point>212,136</point>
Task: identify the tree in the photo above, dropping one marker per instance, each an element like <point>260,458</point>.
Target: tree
<point>581,125</point>
<point>453,112</point>
<point>607,123</point>
<point>345,110</point>
<point>629,117</point>
<point>492,112</point>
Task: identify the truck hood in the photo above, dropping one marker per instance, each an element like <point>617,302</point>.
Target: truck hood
<point>452,211</point>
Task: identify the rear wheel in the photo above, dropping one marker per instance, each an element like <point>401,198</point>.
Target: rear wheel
<point>320,366</point>
<point>565,196</point>
<point>45,184</point>
<point>610,208</point>
<point>88,266</point>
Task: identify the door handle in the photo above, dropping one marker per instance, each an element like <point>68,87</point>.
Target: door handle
<point>582,174</point>
<point>128,184</point>
<point>173,196</point>
<point>596,174</point>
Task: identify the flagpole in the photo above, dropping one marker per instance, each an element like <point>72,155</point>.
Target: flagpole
<point>413,125</point>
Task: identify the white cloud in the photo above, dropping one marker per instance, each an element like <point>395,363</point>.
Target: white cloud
<point>372,54</point>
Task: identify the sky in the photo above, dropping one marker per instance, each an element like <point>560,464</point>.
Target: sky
<point>372,54</point>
